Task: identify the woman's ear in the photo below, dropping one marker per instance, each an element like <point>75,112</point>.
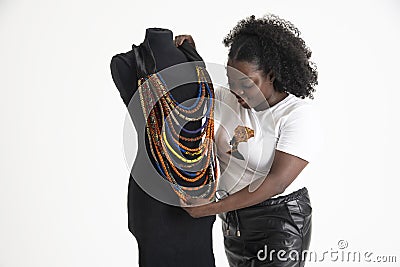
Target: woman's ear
<point>271,76</point>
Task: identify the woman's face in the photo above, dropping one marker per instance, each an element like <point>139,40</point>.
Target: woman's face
<point>251,86</point>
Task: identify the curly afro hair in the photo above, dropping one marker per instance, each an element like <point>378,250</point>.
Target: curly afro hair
<point>274,44</point>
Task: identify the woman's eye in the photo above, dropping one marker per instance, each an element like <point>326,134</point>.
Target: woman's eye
<point>245,86</point>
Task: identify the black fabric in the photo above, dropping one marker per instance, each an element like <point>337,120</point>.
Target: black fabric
<point>282,223</point>
<point>145,61</point>
<point>167,235</point>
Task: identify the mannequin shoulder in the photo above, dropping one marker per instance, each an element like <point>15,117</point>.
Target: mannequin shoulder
<point>123,72</point>
<point>122,61</point>
<point>122,68</point>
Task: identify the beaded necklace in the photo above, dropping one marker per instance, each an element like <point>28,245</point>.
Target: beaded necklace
<point>162,114</point>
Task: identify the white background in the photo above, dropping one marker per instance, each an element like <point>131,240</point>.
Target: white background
<point>63,177</point>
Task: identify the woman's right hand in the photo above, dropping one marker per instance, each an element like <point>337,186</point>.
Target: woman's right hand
<point>179,39</point>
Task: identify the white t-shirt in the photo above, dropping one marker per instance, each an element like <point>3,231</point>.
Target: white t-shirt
<point>289,126</point>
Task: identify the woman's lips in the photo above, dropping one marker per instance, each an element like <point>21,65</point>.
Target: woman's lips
<point>240,100</point>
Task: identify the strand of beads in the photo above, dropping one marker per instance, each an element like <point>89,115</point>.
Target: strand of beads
<point>158,115</point>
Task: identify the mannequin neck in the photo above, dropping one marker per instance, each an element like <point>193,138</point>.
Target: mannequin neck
<point>159,38</point>
<point>161,44</point>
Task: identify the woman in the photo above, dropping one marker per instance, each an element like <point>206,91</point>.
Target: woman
<point>271,225</point>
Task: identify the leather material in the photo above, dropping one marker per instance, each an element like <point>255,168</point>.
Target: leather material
<point>282,223</point>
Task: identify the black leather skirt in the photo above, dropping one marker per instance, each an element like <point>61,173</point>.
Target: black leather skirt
<point>276,232</point>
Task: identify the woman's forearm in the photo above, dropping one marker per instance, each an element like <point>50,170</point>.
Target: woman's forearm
<point>284,170</point>
<point>243,198</point>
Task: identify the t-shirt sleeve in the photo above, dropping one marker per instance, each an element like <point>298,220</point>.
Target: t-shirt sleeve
<point>300,134</point>
<point>218,93</point>
<point>218,98</point>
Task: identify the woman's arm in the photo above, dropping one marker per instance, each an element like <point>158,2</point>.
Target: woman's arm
<point>285,168</point>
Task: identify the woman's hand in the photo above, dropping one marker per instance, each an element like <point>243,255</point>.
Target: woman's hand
<point>179,39</point>
<point>200,211</point>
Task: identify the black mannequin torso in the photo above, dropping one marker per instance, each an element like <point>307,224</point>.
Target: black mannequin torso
<point>176,237</point>
<point>166,54</point>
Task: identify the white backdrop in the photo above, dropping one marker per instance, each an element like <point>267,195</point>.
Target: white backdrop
<point>63,178</point>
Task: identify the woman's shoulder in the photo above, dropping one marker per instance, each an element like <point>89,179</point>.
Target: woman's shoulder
<point>223,95</point>
<point>293,104</point>
<point>299,129</point>
<point>221,92</point>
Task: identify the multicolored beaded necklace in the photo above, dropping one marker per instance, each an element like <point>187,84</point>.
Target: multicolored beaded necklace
<point>163,114</point>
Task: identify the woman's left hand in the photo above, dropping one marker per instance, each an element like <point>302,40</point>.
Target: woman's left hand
<point>200,211</point>
<point>179,39</point>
